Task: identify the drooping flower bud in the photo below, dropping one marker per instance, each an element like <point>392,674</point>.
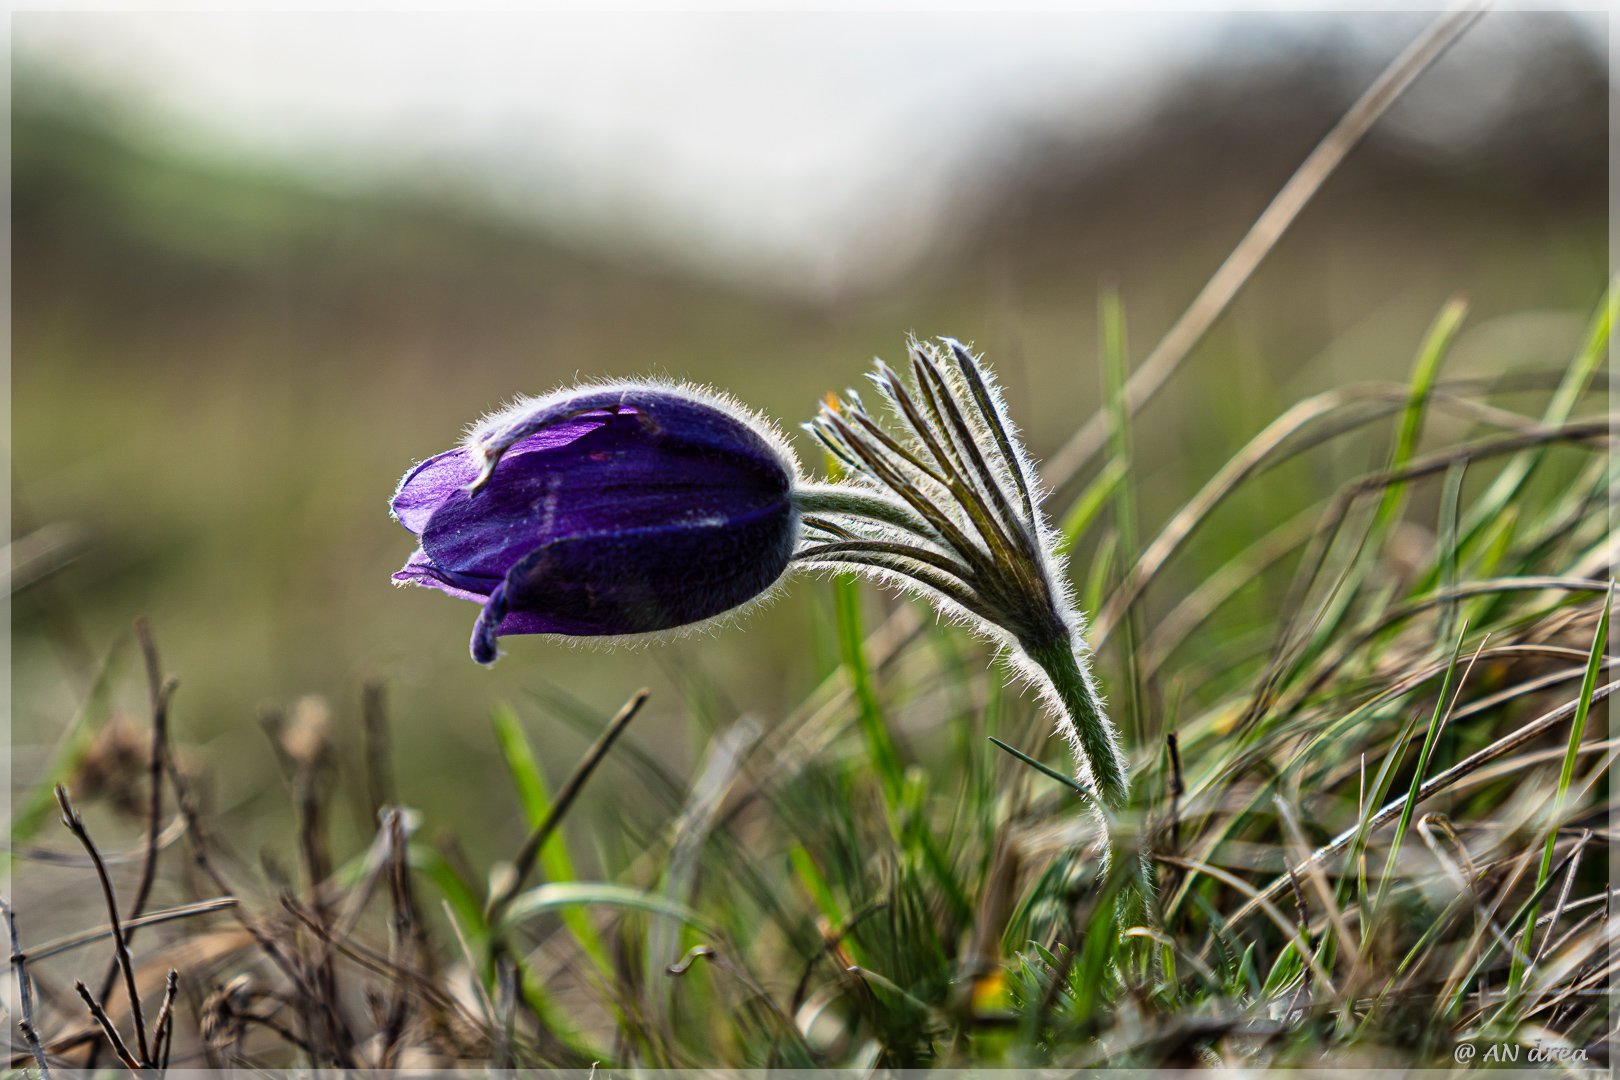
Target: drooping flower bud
<point>629,508</point>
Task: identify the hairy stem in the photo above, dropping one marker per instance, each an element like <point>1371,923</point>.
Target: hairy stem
<point>1084,712</point>
<point>1099,748</point>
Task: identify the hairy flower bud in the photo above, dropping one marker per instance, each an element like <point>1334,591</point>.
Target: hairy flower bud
<point>629,508</point>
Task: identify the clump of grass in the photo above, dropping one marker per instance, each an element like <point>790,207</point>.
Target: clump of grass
<point>1371,765</point>
<point>1376,826</point>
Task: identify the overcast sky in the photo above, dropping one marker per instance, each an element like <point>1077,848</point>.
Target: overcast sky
<point>776,141</point>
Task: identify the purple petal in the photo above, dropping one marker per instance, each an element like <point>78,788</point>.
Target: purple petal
<point>643,580</point>
<point>428,486</point>
<point>527,622</point>
<point>619,511</point>
<point>421,571</point>
<point>425,488</point>
<point>499,434</point>
<point>672,463</point>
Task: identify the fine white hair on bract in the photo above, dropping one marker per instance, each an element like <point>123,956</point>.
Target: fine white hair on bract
<point>987,556</point>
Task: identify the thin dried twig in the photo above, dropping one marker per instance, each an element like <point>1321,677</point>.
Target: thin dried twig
<point>471,960</point>
<point>89,937</point>
<point>1570,934</point>
<point>831,942</point>
<point>107,1027</point>
<point>1438,782</point>
<point>204,861</point>
<point>163,1030</point>
<point>506,983</point>
<point>524,863</point>
<point>1319,884</point>
<point>381,964</point>
<point>58,1046</point>
<point>307,752</point>
<point>401,930</point>
<point>1178,788</point>
<point>161,692</point>
<point>374,870</point>
<point>1563,894</point>
<point>25,991</point>
<point>1303,914</point>
<point>75,825</point>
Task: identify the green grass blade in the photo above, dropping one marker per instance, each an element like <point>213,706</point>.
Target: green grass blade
<point>1511,479</point>
<point>1566,774</point>
<point>1090,503</point>
<point>1111,316</point>
<point>1450,500</point>
<point>815,883</point>
<point>521,765</point>
<point>41,805</point>
<point>1436,722</point>
<point>462,897</point>
<point>1287,967</point>
<point>1046,770</point>
<point>1102,563</point>
<point>1375,799</point>
<point>555,859</point>
<point>918,840</point>
<point>561,895</point>
<point>874,728</point>
<point>1096,954</point>
<point>1424,371</point>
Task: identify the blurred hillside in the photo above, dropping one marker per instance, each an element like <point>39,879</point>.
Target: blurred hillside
<point>219,375</point>
<point>1527,128</point>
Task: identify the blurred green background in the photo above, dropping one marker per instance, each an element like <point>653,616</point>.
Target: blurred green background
<point>220,371</point>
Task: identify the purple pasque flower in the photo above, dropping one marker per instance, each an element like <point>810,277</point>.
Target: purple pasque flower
<point>626,508</point>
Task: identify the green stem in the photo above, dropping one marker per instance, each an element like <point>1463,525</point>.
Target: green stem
<point>1083,710</point>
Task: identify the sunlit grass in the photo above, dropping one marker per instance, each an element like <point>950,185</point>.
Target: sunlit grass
<point>1354,629</point>
<point>868,880</point>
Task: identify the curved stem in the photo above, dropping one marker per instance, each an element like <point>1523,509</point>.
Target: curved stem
<point>1083,711</point>
<point>1099,747</point>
